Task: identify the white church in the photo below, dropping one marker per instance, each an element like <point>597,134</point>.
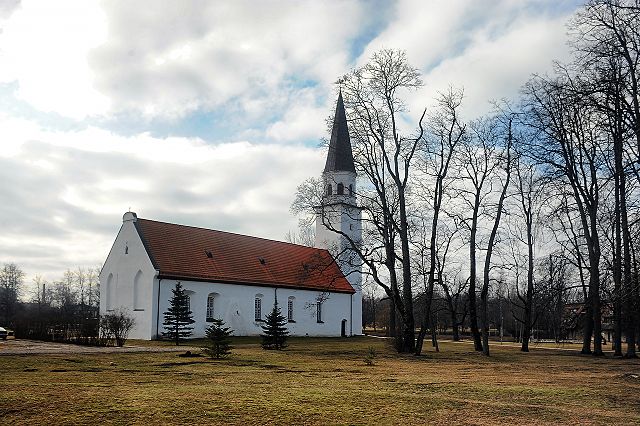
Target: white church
<point>238,278</point>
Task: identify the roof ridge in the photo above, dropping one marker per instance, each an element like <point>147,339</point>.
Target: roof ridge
<point>177,252</point>
<point>234,233</point>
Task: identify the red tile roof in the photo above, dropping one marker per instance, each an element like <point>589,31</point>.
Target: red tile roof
<point>180,252</point>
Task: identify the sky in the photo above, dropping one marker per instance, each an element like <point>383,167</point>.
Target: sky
<point>211,113</point>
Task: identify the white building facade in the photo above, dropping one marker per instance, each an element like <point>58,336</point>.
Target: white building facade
<point>130,282</point>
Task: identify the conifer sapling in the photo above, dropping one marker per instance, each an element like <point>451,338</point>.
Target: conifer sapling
<point>218,342</point>
<point>178,318</point>
<point>274,330</point>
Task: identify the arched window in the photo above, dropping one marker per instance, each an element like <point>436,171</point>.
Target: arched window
<point>329,189</point>
<point>340,189</point>
<point>138,292</point>
<point>290,309</point>
<point>319,311</point>
<point>108,293</point>
<point>210,307</point>
<point>350,189</point>
<point>257,307</point>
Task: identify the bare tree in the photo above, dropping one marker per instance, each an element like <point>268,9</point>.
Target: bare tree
<point>555,274</point>
<point>529,192</point>
<point>384,158</point>
<point>607,40</point>
<point>481,159</point>
<point>305,235</point>
<point>446,131</point>
<point>11,283</point>
<point>456,300</point>
<point>41,294</point>
<point>504,158</point>
<point>568,144</point>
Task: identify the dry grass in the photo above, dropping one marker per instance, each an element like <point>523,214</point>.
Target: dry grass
<point>321,381</point>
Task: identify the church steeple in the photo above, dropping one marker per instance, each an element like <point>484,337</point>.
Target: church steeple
<point>340,156</point>
<point>339,219</point>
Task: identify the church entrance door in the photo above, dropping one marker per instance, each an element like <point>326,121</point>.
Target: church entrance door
<point>343,330</point>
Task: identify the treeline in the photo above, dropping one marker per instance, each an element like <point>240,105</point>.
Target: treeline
<point>558,313</point>
<point>535,204</point>
<point>62,310</point>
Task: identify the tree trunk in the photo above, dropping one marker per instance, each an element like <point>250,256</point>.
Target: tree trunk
<point>559,304</point>
<point>456,331</point>
<point>431,273</point>
<point>408,321</point>
<point>473,312</point>
<point>587,328</point>
<point>617,266</point>
<point>627,276</point>
<point>425,324</point>
<point>391,331</point>
<point>528,309</point>
<point>484,321</point>
<point>594,284</point>
<point>434,335</point>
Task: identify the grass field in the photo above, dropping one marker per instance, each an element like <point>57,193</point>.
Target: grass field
<point>321,381</point>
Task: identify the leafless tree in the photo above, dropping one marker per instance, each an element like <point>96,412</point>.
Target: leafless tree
<point>384,157</point>
<point>569,144</point>
<point>445,132</point>
<point>505,166</point>
<point>606,36</point>
<point>305,235</point>
<point>528,192</point>
<point>457,301</point>
<point>11,287</point>
<point>484,163</point>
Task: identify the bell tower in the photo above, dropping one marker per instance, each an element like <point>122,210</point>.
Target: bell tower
<point>338,219</point>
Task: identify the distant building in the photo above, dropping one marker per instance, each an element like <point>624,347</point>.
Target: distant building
<point>238,278</point>
<point>575,315</point>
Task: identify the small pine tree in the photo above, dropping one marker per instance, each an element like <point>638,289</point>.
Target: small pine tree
<point>370,357</point>
<point>218,343</point>
<point>274,330</point>
<point>178,318</point>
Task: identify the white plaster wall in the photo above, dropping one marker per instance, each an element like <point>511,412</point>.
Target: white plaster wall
<point>340,214</point>
<point>235,305</point>
<point>123,267</point>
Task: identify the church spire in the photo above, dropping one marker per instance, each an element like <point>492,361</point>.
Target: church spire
<point>340,157</point>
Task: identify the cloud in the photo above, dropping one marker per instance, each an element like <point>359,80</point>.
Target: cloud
<point>203,112</point>
<point>44,48</point>
<point>488,48</point>
<point>64,193</point>
<point>7,8</point>
<point>301,120</point>
<point>172,58</point>
<point>496,68</point>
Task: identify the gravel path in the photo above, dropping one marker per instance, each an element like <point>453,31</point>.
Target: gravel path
<point>32,347</point>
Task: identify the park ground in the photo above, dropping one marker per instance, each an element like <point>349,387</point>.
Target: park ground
<point>318,381</point>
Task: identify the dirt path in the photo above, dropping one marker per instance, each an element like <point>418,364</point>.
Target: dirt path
<point>31,347</point>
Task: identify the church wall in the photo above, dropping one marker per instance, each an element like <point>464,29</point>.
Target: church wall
<point>129,282</point>
<point>126,280</point>
<point>235,304</point>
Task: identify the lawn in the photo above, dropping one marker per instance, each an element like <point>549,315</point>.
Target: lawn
<point>321,381</point>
